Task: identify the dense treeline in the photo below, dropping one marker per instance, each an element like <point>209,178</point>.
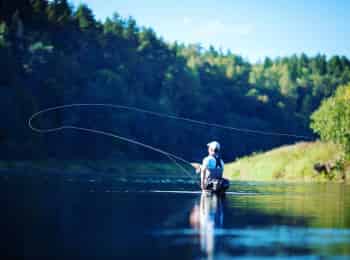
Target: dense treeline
<point>53,54</point>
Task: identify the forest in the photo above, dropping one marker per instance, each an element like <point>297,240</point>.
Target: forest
<point>52,53</point>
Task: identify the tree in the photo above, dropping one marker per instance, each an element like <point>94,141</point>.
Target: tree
<point>85,17</point>
<point>39,12</point>
<point>332,120</point>
<point>3,34</point>
<point>335,65</point>
<point>114,26</point>
<point>59,12</point>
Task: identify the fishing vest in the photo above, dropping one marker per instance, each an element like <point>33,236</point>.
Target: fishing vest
<point>214,169</point>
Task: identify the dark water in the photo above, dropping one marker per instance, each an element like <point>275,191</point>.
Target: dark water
<point>112,218</point>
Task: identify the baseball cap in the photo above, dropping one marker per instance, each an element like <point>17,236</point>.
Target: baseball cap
<point>214,145</point>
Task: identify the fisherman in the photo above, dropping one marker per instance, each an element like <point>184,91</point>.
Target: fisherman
<point>212,169</point>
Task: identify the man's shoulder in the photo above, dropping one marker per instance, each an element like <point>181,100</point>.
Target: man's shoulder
<point>208,158</point>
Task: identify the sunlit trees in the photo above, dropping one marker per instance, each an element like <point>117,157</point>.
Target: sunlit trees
<point>52,53</point>
<point>332,120</point>
<point>59,12</point>
<point>85,18</point>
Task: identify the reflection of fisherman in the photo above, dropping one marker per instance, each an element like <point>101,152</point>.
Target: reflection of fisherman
<point>212,169</point>
<point>206,218</point>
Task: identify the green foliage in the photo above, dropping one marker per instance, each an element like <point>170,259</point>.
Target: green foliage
<point>53,54</point>
<point>332,120</point>
<point>3,31</point>
<point>85,17</point>
<point>39,46</point>
<point>59,12</point>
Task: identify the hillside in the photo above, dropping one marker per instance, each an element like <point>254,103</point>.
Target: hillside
<point>292,163</point>
<point>54,53</point>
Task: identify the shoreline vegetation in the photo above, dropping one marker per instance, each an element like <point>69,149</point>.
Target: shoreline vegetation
<point>301,162</point>
<point>91,167</point>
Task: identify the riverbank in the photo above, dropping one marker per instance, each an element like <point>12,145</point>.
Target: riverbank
<point>307,162</point>
<point>302,162</point>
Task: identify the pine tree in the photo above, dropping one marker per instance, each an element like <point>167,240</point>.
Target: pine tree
<point>59,12</point>
<point>85,18</point>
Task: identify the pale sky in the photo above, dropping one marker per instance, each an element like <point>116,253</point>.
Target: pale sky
<point>251,28</point>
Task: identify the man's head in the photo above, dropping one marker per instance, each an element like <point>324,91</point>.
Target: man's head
<point>213,148</point>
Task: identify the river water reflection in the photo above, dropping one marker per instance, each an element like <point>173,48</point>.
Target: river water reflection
<point>206,217</point>
<point>107,218</point>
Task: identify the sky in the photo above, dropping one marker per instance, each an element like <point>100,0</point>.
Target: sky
<point>253,29</point>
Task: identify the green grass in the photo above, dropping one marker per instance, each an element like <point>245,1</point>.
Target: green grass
<point>287,163</point>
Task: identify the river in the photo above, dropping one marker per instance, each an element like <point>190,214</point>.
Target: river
<point>84,217</point>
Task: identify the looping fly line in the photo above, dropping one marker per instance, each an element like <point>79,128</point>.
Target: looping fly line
<point>174,158</point>
<point>171,156</point>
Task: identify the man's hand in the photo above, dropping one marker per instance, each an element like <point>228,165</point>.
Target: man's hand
<point>197,167</point>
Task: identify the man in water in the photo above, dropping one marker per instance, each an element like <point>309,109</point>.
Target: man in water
<point>212,169</point>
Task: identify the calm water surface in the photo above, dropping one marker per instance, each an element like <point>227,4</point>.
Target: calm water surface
<point>62,217</point>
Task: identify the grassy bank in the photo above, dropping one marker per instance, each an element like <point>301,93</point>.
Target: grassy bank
<point>292,163</point>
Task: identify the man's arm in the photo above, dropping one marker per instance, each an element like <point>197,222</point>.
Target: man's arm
<point>197,167</point>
